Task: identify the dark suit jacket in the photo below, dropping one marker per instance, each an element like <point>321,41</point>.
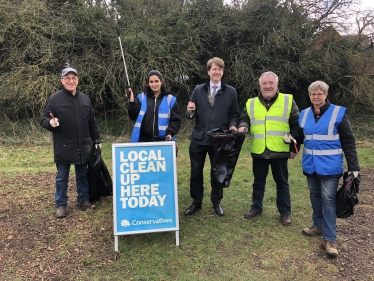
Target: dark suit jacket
<point>223,114</point>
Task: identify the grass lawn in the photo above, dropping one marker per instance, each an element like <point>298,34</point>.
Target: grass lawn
<point>81,247</point>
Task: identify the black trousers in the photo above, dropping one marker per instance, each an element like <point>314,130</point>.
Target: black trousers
<point>279,170</point>
<point>197,159</point>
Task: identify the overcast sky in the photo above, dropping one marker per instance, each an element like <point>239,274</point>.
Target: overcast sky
<point>368,3</point>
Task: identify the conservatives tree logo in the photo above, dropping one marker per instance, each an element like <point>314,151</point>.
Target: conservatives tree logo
<point>125,223</point>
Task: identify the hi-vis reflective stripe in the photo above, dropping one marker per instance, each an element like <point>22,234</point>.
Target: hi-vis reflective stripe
<point>253,111</point>
<point>275,133</point>
<point>169,101</point>
<point>257,136</point>
<point>141,112</point>
<point>273,118</point>
<point>280,119</point>
<point>323,152</point>
<point>164,117</point>
<point>330,133</point>
<point>322,137</point>
<point>258,122</point>
<point>268,133</point>
<point>160,115</point>
<point>304,117</point>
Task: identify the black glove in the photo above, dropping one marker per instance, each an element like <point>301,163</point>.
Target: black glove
<point>97,143</point>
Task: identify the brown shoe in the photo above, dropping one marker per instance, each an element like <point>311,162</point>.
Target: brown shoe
<point>85,205</point>
<point>61,212</point>
<point>312,231</point>
<point>330,248</point>
<point>252,214</point>
<point>285,220</point>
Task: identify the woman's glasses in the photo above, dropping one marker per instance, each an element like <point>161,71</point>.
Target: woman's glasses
<point>316,95</point>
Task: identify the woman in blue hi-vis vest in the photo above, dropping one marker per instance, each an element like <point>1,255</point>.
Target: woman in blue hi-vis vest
<point>328,137</point>
<point>155,111</point>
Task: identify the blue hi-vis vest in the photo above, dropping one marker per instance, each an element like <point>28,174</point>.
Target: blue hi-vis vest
<point>166,105</point>
<point>323,153</point>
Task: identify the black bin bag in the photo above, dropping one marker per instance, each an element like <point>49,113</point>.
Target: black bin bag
<point>227,147</point>
<point>99,179</point>
<point>346,196</point>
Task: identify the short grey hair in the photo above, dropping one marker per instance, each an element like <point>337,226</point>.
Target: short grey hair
<point>318,85</point>
<point>268,73</point>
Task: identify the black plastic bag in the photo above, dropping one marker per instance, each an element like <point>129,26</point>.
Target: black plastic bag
<point>99,179</point>
<point>346,196</point>
<point>227,147</point>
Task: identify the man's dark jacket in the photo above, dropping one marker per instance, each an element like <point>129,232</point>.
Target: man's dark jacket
<point>73,139</point>
<point>223,114</point>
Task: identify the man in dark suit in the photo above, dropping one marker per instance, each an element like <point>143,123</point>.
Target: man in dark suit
<point>213,105</point>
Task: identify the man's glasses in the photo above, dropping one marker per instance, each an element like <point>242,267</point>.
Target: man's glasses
<point>316,95</point>
<point>70,78</point>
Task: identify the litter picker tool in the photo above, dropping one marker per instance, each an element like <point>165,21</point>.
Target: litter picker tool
<point>53,118</point>
<point>182,77</point>
<point>124,63</point>
<point>294,142</point>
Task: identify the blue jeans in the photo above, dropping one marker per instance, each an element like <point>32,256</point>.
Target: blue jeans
<point>280,175</point>
<point>62,178</point>
<point>323,199</point>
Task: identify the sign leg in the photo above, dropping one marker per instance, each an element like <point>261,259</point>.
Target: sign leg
<point>116,243</point>
<point>177,238</point>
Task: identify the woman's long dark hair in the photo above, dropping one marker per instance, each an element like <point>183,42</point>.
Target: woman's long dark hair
<point>147,89</point>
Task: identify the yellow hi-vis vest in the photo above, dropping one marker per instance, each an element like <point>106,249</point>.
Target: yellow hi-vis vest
<point>268,127</point>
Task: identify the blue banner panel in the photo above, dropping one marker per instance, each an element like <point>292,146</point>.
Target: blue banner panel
<point>144,187</point>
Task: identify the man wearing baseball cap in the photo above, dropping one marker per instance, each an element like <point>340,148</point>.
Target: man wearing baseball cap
<point>69,115</point>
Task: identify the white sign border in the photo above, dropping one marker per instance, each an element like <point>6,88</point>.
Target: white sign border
<point>176,228</point>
